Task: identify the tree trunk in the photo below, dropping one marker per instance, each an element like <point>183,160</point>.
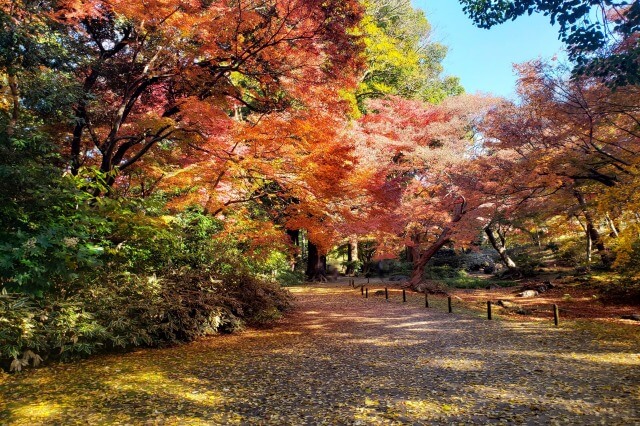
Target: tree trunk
<point>589,245</point>
<point>499,246</point>
<point>422,258</point>
<point>315,264</point>
<point>409,254</point>
<point>352,255</point>
<point>596,239</point>
<point>81,121</point>
<point>612,226</point>
<point>294,234</point>
<point>589,248</point>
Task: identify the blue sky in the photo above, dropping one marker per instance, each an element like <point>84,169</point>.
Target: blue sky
<point>483,58</point>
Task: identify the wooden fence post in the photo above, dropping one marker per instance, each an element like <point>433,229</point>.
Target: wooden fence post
<point>449,302</point>
<point>426,299</point>
<point>556,315</point>
<point>386,294</point>
<point>489,309</point>
<point>404,295</point>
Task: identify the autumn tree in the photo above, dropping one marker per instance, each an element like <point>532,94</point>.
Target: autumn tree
<point>411,151</point>
<point>166,76</point>
<point>566,141</point>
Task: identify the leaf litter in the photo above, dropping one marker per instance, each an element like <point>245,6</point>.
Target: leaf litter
<point>342,359</point>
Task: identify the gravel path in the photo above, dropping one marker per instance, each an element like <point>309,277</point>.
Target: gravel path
<point>343,359</point>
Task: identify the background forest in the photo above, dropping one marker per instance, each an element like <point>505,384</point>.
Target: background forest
<point>168,166</point>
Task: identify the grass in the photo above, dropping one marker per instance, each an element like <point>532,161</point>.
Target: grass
<point>456,278</point>
<point>471,282</point>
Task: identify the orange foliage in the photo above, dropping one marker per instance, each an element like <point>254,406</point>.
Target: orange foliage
<point>411,152</point>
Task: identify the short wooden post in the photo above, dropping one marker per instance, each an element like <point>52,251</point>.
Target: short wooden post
<point>556,315</point>
<point>404,296</point>
<point>362,290</point>
<point>450,307</point>
<point>386,293</point>
<point>489,309</point>
<point>426,299</point>
<point>366,292</point>
<point>368,280</point>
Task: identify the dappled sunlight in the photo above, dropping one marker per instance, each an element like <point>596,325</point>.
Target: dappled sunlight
<point>514,395</point>
<point>41,411</point>
<point>452,363</point>
<point>606,358</point>
<point>342,359</point>
<point>603,358</point>
<point>159,383</point>
<point>425,408</point>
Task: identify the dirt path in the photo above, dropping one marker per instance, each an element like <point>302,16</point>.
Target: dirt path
<point>343,359</point>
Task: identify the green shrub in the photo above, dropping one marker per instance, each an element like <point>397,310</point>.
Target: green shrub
<point>442,272</point>
<point>288,278</point>
<point>400,268</point>
<point>130,311</point>
<point>458,278</point>
<point>88,274</point>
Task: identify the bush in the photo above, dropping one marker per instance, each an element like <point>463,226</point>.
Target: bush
<point>131,311</point>
<point>442,272</point>
<point>156,280</point>
<point>288,278</point>
<point>572,252</point>
<point>460,279</point>
<point>400,268</point>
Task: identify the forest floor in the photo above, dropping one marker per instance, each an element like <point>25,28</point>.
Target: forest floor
<point>340,358</point>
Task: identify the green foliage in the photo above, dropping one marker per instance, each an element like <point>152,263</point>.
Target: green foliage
<point>572,251</point>
<point>92,274</point>
<point>49,232</point>
<point>628,287</point>
<point>442,272</point>
<point>288,278</point>
<point>397,267</point>
<point>401,60</point>
<point>129,311</point>
<point>459,278</point>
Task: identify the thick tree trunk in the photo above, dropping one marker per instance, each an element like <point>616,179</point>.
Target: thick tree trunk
<point>409,254</point>
<point>352,255</point>
<point>422,258</point>
<point>499,246</point>
<point>315,264</point>
<point>605,254</point>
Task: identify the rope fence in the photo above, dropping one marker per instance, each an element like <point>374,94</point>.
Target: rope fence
<point>429,302</point>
